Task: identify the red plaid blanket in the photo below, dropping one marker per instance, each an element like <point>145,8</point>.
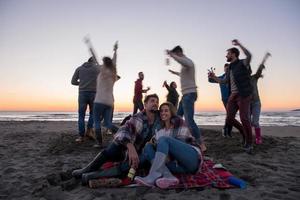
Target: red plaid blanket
<point>206,177</point>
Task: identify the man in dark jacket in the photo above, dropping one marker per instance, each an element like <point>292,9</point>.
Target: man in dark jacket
<point>241,92</point>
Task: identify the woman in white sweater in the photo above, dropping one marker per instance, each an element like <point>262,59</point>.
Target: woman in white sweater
<point>104,99</point>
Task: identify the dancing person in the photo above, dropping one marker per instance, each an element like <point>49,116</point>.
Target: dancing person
<point>85,77</point>
<point>129,140</point>
<point>138,93</point>
<point>188,89</point>
<point>225,92</point>
<point>173,141</point>
<point>255,102</point>
<point>241,92</point>
<point>172,93</point>
<point>104,99</point>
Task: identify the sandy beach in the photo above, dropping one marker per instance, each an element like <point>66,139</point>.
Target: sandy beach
<point>37,158</point>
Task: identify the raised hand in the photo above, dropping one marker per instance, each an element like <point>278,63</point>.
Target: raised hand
<point>235,42</point>
<point>116,45</point>
<point>267,55</point>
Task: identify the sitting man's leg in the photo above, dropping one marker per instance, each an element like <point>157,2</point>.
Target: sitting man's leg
<point>114,152</point>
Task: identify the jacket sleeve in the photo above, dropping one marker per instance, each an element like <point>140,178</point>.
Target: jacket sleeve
<point>75,78</point>
<point>128,132</point>
<point>184,61</point>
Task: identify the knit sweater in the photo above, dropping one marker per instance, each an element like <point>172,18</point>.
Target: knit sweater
<point>105,85</point>
<point>85,77</point>
<point>187,74</point>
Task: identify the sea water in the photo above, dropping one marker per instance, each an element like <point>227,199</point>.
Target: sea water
<point>288,118</point>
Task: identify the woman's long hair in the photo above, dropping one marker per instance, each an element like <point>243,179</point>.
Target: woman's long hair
<point>173,113</point>
<point>108,63</point>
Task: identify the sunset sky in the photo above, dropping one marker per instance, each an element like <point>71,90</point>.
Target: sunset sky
<point>41,45</point>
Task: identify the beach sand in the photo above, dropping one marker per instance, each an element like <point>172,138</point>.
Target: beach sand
<point>37,158</point>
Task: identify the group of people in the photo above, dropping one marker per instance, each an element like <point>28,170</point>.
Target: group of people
<point>160,137</point>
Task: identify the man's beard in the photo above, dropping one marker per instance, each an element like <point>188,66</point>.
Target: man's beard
<point>229,59</point>
<point>154,110</point>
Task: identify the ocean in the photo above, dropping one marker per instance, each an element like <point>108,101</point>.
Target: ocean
<point>289,118</point>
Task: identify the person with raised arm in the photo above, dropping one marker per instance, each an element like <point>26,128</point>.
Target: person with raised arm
<point>255,102</point>
<point>239,79</point>
<point>172,93</point>
<point>188,89</point>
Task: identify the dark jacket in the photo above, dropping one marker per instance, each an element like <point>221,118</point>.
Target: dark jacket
<point>242,77</point>
<point>172,96</point>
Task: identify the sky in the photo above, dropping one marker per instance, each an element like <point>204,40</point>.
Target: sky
<point>41,45</point>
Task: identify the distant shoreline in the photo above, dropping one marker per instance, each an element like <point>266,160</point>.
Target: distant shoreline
<point>278,131</point>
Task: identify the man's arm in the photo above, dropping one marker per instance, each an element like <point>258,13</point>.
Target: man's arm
<point>75,78</point>
<point>213,77</point>
<point>258,73</point>
<point>126,136</point>
<point>91,49</point>
<point>146,90</point>
<point>173,72</point>
<point>246,52</point>
<point>133,156</point>
<point>185,62</point>
<point>166,85</point>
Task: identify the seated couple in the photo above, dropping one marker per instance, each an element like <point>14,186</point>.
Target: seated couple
<point>175,149</point>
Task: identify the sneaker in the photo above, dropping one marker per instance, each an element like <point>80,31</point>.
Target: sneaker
<point>165,183</point>
<point>79,139</point>
<point>248,149</point>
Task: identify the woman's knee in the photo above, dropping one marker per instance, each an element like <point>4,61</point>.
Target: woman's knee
<point>164,139</point>
<point>193,167</point>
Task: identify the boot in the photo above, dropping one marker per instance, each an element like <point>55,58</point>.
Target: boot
<point>229,130</point>
<point>258,139</point>
<point>89,176</point>
<point>155,170</point>
<point>92,166</point>
<point>90,133</point>
<point>98,138</point>
<point>167,179</point>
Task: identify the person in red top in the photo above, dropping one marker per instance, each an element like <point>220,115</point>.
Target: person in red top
<point>138,93</point>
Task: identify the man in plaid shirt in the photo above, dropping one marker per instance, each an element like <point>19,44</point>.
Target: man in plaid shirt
<point>130,138</point>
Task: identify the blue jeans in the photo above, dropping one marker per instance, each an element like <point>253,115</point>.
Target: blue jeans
<point>185,159</point>
<point>255,113</point>
<point>85,99</point>
<point>102,111</point>
<point>186,109</point>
